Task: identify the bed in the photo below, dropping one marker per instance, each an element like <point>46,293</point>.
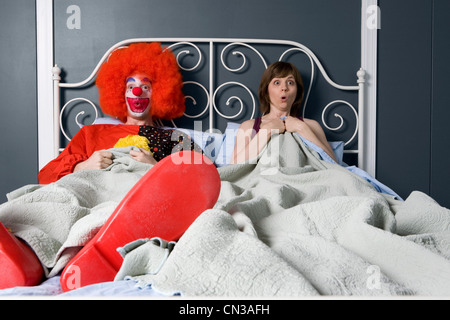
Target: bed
<point>292,224</point>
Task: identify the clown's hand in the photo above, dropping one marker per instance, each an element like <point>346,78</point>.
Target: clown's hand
<point>101,159</point>
<point>143,155</point>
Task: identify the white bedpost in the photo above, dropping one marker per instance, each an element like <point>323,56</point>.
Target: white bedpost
<point>361,114</point>
<point>56,71</point>
<point>370,23</point>
<point>44,40</point>
<point>211,86</point>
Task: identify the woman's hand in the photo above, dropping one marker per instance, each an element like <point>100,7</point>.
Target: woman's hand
<point>248,145</point>
<point>143,155</point>
<point>101,159</point>
<point>275,125</point>
<point>310,130</point>
<point>294,124</point>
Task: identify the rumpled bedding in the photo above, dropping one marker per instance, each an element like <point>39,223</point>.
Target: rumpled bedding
<point>58,219</point>
<point>287,224</point>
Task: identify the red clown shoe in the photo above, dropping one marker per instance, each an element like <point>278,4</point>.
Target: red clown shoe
<point>18,263</point>
<point>164,203</point>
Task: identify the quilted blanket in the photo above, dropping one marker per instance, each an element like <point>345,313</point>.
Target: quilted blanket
<point>58,219</point>
<point>286,224</point>
<point>289,225</point>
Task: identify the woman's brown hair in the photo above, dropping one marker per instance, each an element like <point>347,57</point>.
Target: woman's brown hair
<point>280,70</point>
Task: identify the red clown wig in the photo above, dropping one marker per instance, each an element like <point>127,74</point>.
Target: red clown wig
<point>167,99</point>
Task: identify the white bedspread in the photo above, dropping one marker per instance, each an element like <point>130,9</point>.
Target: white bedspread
<point>286,225</point>
<point>292,225</point>
<point>58,219</point>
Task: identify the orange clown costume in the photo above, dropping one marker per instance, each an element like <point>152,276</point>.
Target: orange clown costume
<point>166,103</point>
<point>137,85</point>
<point>161,143</point>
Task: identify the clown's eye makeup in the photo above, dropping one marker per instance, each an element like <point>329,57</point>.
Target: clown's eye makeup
<point>145,87</point>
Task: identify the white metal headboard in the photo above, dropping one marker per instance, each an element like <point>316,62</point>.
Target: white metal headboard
<point>211,90</point>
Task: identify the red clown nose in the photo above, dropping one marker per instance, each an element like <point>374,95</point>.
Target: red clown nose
<point>137,91</point>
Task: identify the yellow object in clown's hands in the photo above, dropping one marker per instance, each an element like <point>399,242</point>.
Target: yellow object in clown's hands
<point>133,140</point>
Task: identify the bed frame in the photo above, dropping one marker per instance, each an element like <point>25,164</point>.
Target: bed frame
<point>49,89</point>
<point>191,46</point>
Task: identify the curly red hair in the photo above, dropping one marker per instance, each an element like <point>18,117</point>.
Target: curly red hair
<point>167,99</point>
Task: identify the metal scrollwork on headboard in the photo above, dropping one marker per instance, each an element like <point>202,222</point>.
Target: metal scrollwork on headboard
<point>337,115</point>
<point>79,124</point>
<point>189,69</point>
<point>235,83</point>
<point>240,48</point>
<point>239,53</point>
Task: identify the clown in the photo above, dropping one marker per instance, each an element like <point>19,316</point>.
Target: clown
<point>137,85</point>
<point>137,96</point>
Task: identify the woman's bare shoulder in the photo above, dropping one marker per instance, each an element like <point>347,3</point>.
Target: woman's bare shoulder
<point>311,122</point>
<point>248,124</point>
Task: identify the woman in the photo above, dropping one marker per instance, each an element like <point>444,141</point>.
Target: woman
<point>281,93</point>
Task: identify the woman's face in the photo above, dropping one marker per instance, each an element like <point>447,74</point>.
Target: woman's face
<point>282,93</point>
<point>137,96</point>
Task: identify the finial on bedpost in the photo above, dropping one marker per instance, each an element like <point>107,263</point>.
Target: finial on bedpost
<point>361,75</point>
<point>56,71</point>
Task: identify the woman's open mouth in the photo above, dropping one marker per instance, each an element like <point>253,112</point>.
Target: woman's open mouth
<point>138,105</point>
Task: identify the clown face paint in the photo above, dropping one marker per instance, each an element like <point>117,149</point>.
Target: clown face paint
<point>137,96</point>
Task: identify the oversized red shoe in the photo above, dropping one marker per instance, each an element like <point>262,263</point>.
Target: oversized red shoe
<point>164,203</point>
<point>19,265</point>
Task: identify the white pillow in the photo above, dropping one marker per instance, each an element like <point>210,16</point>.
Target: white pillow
<point>226,151</point>
<point>107,120</point>
<point>219,147</point>
<point>229,139</point>
<point>209,142</point>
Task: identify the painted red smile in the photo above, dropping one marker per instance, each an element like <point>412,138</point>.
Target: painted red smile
<point>138,105</point>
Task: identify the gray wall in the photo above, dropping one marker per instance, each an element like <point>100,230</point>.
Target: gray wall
<point>327,27</point>
<point>413,102</point>
<point>440,105</point>
<point>18,122</point>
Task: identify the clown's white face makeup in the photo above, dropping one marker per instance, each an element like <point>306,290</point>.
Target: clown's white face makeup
<point>137,96</point>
